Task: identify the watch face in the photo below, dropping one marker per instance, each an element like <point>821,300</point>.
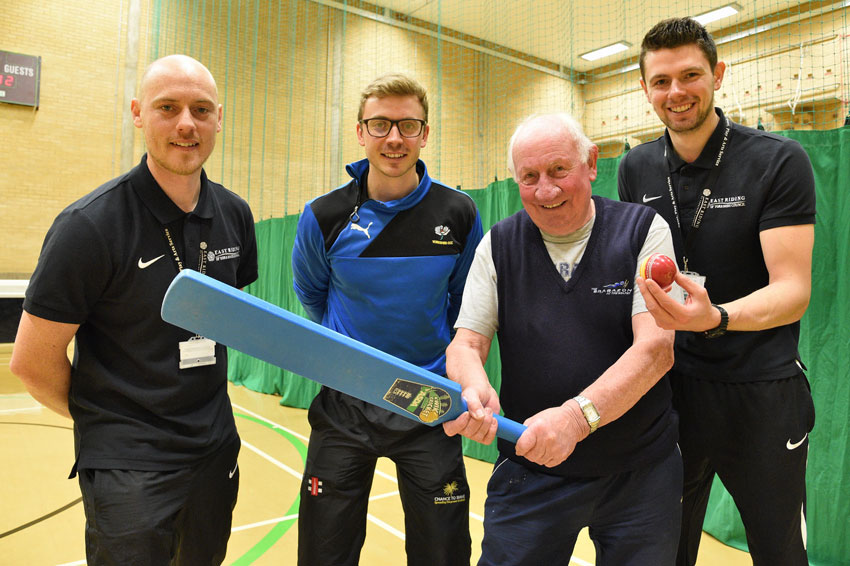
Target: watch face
<point>590,414</point>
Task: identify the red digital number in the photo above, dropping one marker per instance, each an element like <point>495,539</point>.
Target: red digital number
<point>8,80</point>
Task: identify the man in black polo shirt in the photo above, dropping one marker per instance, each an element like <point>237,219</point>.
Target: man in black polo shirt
<point>155,437</point>
<point>741,204</point>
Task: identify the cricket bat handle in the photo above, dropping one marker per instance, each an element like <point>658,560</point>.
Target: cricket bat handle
<point>507,429</point>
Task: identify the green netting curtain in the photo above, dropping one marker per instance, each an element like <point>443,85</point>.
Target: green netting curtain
<point>825,343</point>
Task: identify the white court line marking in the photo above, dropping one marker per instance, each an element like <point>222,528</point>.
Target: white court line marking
<point>277,463</point>
<point>31,407</point>
<point>384,475</point>
<point>371,517</point>
<point>271,422</point>
<point>264,523</point>
<point>21,410</point>
<point>383,496</point>
<point>389,528</point>
<point>298,475</point>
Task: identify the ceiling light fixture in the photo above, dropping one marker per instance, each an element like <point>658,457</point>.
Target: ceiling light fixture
<point>718,14</point>
<point>606,51</point>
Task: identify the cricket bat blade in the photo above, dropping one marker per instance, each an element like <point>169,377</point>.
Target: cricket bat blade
<point>241,321</point>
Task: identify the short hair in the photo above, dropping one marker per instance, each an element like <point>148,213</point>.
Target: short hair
<point>567,122</point>
<point>393,84</point>
<point>676,32</point>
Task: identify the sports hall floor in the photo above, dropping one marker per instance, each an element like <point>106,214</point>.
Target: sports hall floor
<point>42,518</point>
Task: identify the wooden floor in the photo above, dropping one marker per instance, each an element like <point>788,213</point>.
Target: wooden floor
<point>42,518</point>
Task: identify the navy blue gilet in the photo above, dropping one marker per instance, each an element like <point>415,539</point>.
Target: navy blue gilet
<point>556,337</point>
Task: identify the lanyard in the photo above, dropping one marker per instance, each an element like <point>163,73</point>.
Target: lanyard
<point>704,198</point>
<point>202,255</point>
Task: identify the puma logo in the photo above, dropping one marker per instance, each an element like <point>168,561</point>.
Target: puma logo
<point>362,229</point>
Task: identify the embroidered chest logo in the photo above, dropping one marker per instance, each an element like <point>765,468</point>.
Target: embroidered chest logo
<point>442,232</point>
<point>619,288</point>
<point>728,202</point>
<point>223,254</point>
<point>362,229</point>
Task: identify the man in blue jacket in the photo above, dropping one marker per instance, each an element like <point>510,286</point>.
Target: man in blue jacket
<point>383,259</point>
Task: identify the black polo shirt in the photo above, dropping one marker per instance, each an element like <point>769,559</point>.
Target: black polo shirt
<point>765,181</point>
<point>105,264</point>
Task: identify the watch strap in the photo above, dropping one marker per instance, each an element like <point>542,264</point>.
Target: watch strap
<point>720,329</point>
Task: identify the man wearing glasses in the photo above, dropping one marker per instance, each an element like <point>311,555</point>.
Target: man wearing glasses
<point>383,259</point>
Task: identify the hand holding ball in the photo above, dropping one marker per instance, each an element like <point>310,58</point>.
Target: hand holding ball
<point>660,269</point>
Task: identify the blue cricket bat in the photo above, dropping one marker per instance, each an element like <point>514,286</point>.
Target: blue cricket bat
<point>241,321</point>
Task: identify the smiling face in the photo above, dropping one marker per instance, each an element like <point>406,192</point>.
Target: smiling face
<point>554,181</point>
<point>178,112</point>
<point>680,85</point>
<point>392,158</point>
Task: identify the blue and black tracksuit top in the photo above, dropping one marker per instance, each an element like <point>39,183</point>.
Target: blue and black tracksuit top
<point>557,337</point>
<point>389,274</point>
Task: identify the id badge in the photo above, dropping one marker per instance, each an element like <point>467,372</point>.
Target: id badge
<point>197,351</point>
<point>695,277</point>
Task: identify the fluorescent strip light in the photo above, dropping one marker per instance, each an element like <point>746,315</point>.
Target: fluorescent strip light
<point>606,51</point>
<point>718,14</point>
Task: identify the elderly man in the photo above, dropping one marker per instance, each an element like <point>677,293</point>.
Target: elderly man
<point>583,366</point>
<point>155,437</point>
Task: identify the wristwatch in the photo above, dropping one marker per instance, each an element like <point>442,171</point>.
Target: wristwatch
<point>720,329</point>
<point>591,415</point>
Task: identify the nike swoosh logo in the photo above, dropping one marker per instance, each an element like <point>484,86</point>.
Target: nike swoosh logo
<point>233,471</point>
<point>144,264</point>
<point>791,446</point>
<point>647,199</point>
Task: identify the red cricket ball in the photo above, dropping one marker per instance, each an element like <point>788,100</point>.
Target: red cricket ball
<point>661,269</point>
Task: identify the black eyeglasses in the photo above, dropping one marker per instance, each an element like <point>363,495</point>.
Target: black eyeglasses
<point>407,128</point>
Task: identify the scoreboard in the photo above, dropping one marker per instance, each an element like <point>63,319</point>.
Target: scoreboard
<point>20,77</point>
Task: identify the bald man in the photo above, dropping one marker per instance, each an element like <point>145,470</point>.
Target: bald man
<point>583,366</point>
<point>156,443</point>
